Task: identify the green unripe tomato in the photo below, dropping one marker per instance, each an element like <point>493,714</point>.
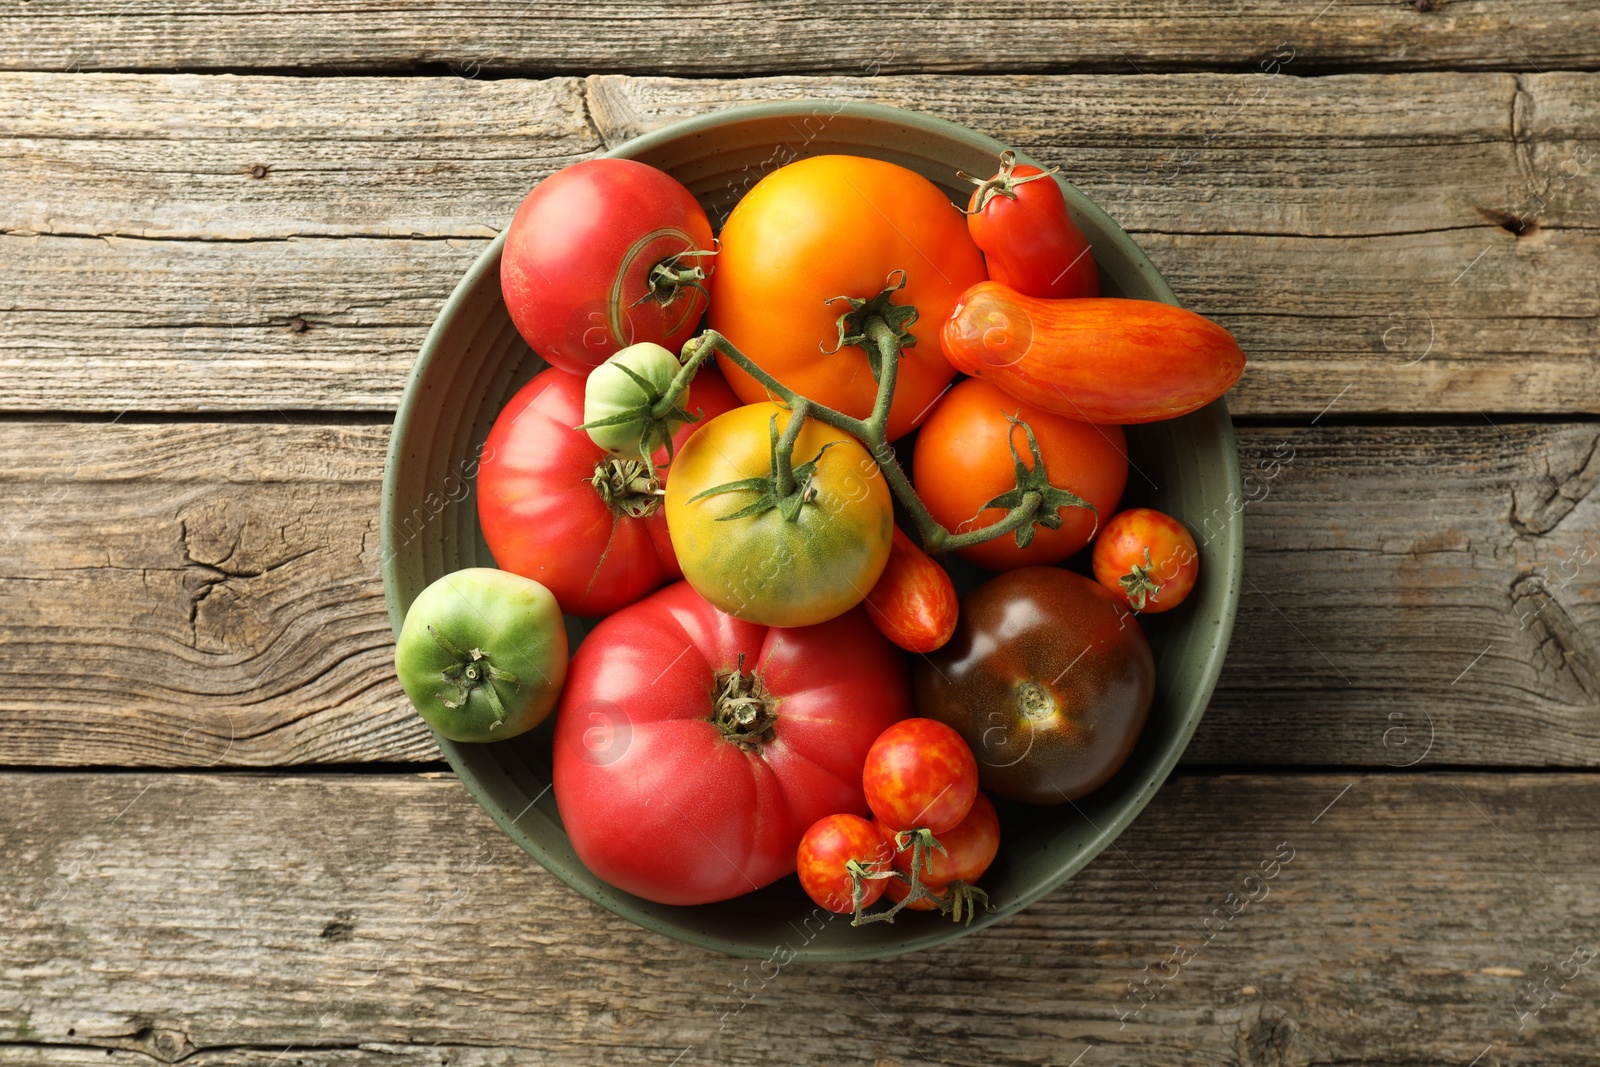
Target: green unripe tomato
<point>482,654</point>
<point>611,393</point>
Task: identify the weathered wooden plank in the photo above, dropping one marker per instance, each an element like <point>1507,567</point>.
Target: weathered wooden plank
<point>193,594</point>
<point>739,36</point>
<point>1392,919</point>
<point>144,266</point>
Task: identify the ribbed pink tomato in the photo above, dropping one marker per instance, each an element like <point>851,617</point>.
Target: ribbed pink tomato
<point>693,750</point>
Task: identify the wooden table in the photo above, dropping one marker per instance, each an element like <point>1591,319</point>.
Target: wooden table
<point>225,838</point>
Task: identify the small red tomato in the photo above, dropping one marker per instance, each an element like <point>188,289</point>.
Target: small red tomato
<point>914,603</point>
<point>1019,218</point>
<point>1147,558</point>
<point>825,853</point>
<point>968,851</point>
<point>920,774</point>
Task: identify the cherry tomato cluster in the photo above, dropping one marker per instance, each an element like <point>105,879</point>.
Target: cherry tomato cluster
<point>708,465</point>
<point>931,837</point>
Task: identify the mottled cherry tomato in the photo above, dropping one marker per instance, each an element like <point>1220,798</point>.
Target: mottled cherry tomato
<point>920,774</point>
<point>825,853</point>
<point>1147,558</point>
<point>968,851</point>
<point>1019,218</point>
<point>914,603</point>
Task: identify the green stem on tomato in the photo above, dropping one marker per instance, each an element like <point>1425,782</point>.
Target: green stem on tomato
<point>871,431</point>
<point>783,451</point>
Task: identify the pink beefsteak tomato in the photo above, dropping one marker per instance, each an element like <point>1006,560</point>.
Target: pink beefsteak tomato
<point>693,750</point>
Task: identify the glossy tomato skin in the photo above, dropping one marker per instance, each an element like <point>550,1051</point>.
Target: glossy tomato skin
<point>578,256</point>
<point>969,849</point>
<point>914,602</point>
<point>541,515</point>
<point>764,568</point>
<point>1048,677</point>
<point>1103,359</point>
<point>1172,565</point>
<point>654,796</point>
<point>827,847</point>
<point>920,774</point>
<point>1029,240</point>
<point>834,226</point>
<point>963,460</point>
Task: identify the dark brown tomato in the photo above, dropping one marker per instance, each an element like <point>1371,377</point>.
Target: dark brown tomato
<point>1048,678</point>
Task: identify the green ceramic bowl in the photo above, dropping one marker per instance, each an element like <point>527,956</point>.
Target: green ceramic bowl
<point>472,362</point>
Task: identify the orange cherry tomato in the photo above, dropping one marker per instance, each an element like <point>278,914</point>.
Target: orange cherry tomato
<point>826,850</point>
<point>1148,559</point>
<point>968,851</point>
<point>964,460</point>
<point>1099,359</point>
<point>914,603</point>
<point>835,226</point>
<point>920,774</point>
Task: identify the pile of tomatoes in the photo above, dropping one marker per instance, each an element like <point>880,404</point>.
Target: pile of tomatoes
<point>780,650</point>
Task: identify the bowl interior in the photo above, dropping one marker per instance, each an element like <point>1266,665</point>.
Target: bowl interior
<point>474,360</point>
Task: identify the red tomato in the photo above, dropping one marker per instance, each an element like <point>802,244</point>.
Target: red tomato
<point>920,774</point>
<point>579,256</point>
<point>914,602</point>
<point>968,851</point>
<point>963,460</point>
<point>693,749</point>
<point>1019,218</point>
<point>543,516</point>
<point>1101,360</point>
<point>827,848</point>
<point>1148,559</point>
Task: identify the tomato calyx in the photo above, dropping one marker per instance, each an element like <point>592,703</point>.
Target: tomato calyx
<point>744,712</point>
<point>1004,183</point>
<point>471,671</point>
<point>1138,583</point>
<point>668,279</point>
<point>627,486</point>
<point>1033,483</point>
<point>788,488</point>
<point>874,323</point>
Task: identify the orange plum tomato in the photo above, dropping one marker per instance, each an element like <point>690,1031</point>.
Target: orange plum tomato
<point>968,851</point>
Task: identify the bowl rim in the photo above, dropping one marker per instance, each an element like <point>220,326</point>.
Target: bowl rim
<point>1230,540</point>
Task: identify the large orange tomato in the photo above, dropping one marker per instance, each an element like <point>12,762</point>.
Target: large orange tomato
<point>963,460</point>
<point>834,226</point>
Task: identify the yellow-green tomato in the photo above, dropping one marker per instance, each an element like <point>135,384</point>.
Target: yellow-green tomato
<point>764,567</point>
<point>482,654</point>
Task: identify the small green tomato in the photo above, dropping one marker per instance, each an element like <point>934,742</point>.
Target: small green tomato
<point>619,394</point>
<point>483,654</point>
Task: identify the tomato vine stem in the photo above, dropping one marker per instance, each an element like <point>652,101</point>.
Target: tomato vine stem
<point>871,322</point>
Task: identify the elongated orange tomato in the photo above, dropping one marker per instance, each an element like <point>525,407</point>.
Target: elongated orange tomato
<point>914,603</point>
<point>1099,359</point>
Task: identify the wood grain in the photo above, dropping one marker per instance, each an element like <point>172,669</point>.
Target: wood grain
<point>201,593</point>
<point>741,37</point>
<point>1350,230</point>
<point>229,919</point>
